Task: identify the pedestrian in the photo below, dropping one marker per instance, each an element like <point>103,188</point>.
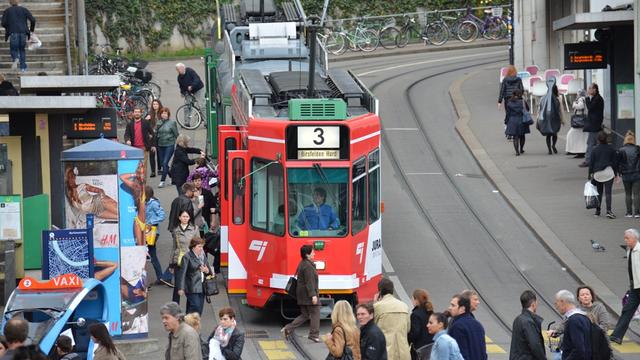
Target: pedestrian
<point>190,278</point>
<point>595,310</point>
<point>205,203</point>
<point>4,345</point>
<point>631,237</point>
<point>184,342</point>
<point>593,122</point>
<point>138,134</point>
<point>418,334</point>
<point>306,295</point>
<point>629,167</point>
<point>14,22</point>
<point>29,352</point>
<point>107,350</point>
<point>392,317</point>
<point>205,172</point>
<point>466,330</point>
<point>474,299</point>
<point>372,343</point>
<point>190,83</point>
<point>227,336</point>
<point>152,116</point>
<point>576,340</point>
<point>603,169</point>
<point>526,339</point>
<point>16,331</point>
<point>550,116</point>
<point>182,236</point>
<point>444,346</point>
<point>166,135</point>
<point>181,161</point>
<point>184,202</point>
<point>64,349</point>
<point>509,84</point>
<point>193,319</point>
<point>6,87</point>
<point>515,126</point>
<point>154,216</point>
<point>344,333</point>
<point>576,137</point>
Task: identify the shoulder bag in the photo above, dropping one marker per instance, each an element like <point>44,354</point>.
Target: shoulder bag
<point>424,352</point>
<point>347,354</point>
<point>526,115</point>
<point>577,120</point>
<point>291,287</point>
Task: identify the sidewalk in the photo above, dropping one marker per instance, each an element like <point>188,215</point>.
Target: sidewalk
<point>545,189</point>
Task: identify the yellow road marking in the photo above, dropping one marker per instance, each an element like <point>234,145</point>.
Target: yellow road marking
<point>493,348</point>
<point>276,350</point>
<point>626,347</point>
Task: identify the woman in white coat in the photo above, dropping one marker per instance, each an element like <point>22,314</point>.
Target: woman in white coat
<point>576,138</point>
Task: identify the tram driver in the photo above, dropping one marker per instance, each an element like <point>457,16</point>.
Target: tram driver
<point>318,216</point>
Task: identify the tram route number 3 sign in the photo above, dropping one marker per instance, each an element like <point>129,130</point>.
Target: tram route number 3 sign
<point>318,142</point>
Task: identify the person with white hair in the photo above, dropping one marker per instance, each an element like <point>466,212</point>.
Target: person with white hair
<point>576,343</point>
<point>190,83</point>
<point>631,237</point>
<point>184,341</point>
<point>576,138</point>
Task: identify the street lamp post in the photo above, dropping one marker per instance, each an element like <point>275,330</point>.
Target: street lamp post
<point>511,21</point>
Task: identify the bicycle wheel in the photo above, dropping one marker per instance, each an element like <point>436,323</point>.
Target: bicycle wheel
<point>367,40</point>
<point>437,33</point>
<point>188,116</point>
<point>389,38</point>
<point>335,43</point>
<point>403,38</point>
<point>147,95</point>
<point>492,29</point>
<point>467,31</point>
<point>154,88</point>
<point>134,102</point>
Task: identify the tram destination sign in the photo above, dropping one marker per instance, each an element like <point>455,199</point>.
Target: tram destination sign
<point>317,142</point>
<point>585,55</point>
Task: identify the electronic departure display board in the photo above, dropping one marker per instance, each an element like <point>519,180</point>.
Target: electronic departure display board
<point>586,55</point>
<point>92,125</point>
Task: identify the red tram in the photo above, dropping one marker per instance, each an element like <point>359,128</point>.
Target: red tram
<point>296,169</point>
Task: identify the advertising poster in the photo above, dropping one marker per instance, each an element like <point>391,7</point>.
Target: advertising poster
<point>91,187</point>
<point>133,249</point>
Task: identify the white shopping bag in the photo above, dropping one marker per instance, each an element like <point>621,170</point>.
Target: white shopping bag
<point>214,350</point>
<point>34,42</point>
<point>591,196</point>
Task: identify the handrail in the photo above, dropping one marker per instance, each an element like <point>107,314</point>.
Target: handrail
<point>66,36</point>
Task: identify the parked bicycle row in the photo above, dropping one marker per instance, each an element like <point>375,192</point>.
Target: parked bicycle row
<point>434,28</point>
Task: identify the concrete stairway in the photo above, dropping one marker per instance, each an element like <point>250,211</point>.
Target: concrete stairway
<point>51,57</point>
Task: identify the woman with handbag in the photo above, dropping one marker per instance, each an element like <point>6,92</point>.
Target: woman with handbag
<point>603,168</point>
<point>190,279</point>
<point>550,116</point>
<point>576,137</point>
<point>344,340</point>
<point>517,123</point>
<point>628,156</point>
<point>182,235</point>
<point>418,334</point>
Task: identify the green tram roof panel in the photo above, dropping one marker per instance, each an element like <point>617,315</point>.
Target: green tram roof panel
<point>317,109</point>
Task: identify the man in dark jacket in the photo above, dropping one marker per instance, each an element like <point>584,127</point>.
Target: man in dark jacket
<point>593,122</point>
<point>307,296</point>
<point>190,83</point>
<point>526,340</point>
<point>64,349</point>
<point>138,134</point>
<point>373,345</point>
<point>467,331</point>
<point>14,22</point>
<point>576,342</point>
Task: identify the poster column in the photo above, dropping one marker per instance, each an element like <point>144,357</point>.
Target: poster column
<point>133,249</point>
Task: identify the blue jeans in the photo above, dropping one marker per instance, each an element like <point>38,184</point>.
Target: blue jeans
<point>164,154</point>
<point>154,260</point>
<point>627,314</point>
<point>195,303</point>
<point>17,42</point>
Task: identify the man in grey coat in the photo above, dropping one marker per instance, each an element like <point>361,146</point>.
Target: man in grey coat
<point>307,296</point>
<point>184,341</point>
<point>526,341</point>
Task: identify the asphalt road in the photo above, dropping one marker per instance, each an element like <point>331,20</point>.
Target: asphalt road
<point>445,226</point>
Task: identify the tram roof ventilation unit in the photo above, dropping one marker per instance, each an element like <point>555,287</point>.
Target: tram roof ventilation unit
<point>317,109</point>
<point>251,8</point>
<point>258,87</point>
<point>293,84</point>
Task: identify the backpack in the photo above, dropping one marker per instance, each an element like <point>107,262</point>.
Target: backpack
<point>600,349</point>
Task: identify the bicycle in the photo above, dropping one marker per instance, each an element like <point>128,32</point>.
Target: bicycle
<point>435,33</point>
<point>361,38</point>
<point>189,115</point>
<point>106,65</point>
<point>491,27</point>
<point>122,102</point>
<point>334,44</point>
<point>461,28</point>
<point>388,36</point>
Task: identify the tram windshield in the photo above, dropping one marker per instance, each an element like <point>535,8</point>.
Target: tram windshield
<point>318,201</point>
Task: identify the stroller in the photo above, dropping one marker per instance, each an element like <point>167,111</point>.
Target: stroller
<point>554,341</point>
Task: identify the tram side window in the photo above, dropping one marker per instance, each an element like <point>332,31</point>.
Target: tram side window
<point>318,201</point>
<point>359,193</point>
<point>374,186</point>
<point>267,197</point>
<point>238,191</point>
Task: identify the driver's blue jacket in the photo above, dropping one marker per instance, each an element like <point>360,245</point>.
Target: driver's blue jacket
<point>320,217</point>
